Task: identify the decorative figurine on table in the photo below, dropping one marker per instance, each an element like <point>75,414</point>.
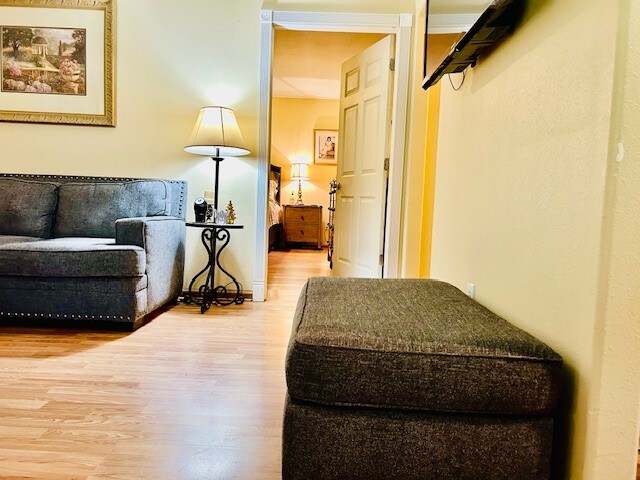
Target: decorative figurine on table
<point>231,214</point>
<point>221,217</point>
<point>200,208</point>
<point>211,214</point>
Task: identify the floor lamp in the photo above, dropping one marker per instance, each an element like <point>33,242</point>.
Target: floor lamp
<point>216,135</point>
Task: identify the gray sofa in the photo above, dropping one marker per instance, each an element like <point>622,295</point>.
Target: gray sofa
<point>411,379</point>
<point>89,249</point>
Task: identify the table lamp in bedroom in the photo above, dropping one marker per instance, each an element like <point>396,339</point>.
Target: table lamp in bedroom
<point>299,171</point>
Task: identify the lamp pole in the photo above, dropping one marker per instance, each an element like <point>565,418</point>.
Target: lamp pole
<point>216,159</point>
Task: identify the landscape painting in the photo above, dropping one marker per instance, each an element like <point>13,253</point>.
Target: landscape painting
<point>43,60</point>
<point>57,62</point>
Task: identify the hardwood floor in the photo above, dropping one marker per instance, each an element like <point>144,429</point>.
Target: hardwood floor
<point>187,396</point>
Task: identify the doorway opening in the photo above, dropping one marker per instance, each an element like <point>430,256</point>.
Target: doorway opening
<point>305,117</point>
<point>298,124</point>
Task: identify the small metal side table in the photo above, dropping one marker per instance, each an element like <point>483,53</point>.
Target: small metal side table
<point>210,294</point>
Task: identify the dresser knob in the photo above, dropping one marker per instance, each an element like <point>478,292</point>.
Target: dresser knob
<point>302,232</point>
<point>302,217</point>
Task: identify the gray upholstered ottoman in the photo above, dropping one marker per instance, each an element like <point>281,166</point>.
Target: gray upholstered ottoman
<point>412,379</point>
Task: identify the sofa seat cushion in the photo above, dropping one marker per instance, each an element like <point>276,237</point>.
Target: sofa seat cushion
<point>91,209</point>
<point>72,257</point>
<point>415,344</point>
<point>27,207</point>
<point>7,239</point>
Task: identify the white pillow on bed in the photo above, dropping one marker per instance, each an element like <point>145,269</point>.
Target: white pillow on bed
<point>273,190</point>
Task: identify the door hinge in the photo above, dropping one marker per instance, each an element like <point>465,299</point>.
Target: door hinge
<point>392,64</point>
<point>381,259</point>
<point>386,164</point>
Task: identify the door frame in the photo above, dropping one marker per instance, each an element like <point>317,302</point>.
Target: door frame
<point>399,25</point>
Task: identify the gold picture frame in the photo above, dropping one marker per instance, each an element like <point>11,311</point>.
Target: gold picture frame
<point>325,147</point>
<point>57,63</point>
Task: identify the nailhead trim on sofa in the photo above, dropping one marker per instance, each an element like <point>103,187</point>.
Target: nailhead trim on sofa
<point>73,316</point>
<point>99,179</point>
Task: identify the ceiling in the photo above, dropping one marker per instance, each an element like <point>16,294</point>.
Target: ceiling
<point>307,64</point>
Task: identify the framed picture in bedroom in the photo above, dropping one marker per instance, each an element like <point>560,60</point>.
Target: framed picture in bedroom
<point>57,63</point>
<point>325,147</point>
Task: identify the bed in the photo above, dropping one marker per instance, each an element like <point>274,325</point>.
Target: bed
<point>275,209</point>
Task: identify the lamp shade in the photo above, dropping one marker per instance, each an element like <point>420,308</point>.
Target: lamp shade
<point>216,134</point>
<point>299,171</point>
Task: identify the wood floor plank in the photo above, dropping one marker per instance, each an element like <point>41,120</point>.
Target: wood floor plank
<point>187,396</point>
<point>22,403</point>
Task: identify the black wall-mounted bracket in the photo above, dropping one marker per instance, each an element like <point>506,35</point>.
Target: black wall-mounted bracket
<point>497,21</point>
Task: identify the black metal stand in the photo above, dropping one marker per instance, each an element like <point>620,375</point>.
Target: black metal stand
<point>216,159</point>
<point>334,186</point>
<point>209,293</point>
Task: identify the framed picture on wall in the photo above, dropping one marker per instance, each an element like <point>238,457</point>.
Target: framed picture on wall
<point>325,148</point>
<point>57,63</point>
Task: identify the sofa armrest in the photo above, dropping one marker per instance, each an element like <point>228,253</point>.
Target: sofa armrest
<point>133,231</point>
<point>163,239</point>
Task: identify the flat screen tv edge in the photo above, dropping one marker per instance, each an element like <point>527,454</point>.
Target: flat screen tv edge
<point>496,22</point>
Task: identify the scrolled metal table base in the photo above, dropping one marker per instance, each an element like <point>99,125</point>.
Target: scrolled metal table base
<point>209,293</point>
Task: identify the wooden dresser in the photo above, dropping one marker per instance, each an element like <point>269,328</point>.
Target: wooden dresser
<point>303,225</point>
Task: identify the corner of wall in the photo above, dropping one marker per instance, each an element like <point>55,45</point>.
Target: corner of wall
<point>615,396</point>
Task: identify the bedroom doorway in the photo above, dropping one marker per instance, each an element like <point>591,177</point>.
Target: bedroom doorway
<point>305,118</point>
<point>302,53</point>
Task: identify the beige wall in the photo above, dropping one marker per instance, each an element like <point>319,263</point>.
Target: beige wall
<point>429,180</point>
<point>420,161</point>
<point>458,6</point>
<point>415,156</point>
<point>364,6</point>
<point>416,221</point>
<point>524,179</point>
<point>292,123</point>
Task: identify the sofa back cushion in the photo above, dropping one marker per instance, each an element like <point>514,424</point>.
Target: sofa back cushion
<point>27,207</point>
<point>91,209</point>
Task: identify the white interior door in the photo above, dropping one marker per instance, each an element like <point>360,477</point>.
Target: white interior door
<point>365,121</point>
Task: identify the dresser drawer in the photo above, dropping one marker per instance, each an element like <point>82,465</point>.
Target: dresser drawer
<point>301,215</point>
<point>302,232</point>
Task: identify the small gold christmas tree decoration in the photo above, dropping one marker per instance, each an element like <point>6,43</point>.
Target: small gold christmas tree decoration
<point>231,213</point>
